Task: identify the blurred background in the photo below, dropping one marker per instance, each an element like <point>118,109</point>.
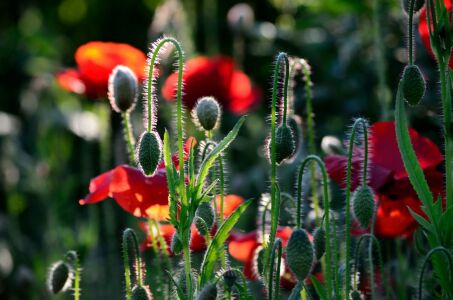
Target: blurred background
<point>52,142</point>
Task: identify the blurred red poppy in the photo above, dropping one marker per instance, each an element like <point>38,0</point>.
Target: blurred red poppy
<point>217,77</point>
<point>197,241</point>
<point>389,179</point>
<point>136,193</point>
<point>424,32</point>
<point>95,61</point>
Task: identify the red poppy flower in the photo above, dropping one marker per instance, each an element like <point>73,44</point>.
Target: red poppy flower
<point>95,62</point>
<point>197,241</point>
<point>424,32</point>
<point>389,179</point>
<point>217,77</point>
<point>136,193</point>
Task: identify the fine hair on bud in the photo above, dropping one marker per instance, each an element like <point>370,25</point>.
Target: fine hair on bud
<point>141,292</point>
<point>413,85</point>
<point>319,242</point>
<point>204,218</point>
<point>59,278</point>
<point>295,123</point>
<point>363,205</point>
<point>299,254</point>
<point>207,113</point>
<point>122,89</point>
<point>209,292</point>
<point>176,244</point>
<point>149,152</point>
<point>229,278</point>
<point>285,144</point>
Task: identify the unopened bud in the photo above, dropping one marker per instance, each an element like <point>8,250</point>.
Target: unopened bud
<point>141,292</point>
<point>59,277</point>
<point>176,244</point>
<point>413,85</point>
<point>363,205</point>
<point>299,254</point>
<point>206,113</point>
<point>319,242</point>
<point>204,217</point>
<point>149,152</point>
<point>122,89</point>
<point>285,145</point>
<point>209,292</point>
<point>229,278</point>
<point>417,6</point>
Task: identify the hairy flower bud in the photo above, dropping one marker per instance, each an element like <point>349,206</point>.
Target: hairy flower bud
<point>204,217</point>
<point>59,278</point>
<point>295,123</point>
<point>285,145</point>
<point>149,152</point>
<point>176,244</point>
<point>413,85</point>
<point>363,205</point>
<point>122,89</point>
<point>206,114</point>
<point>141,293</point>
<point>319,242</point>
<point>299,254</point>
<point>417,6</point>
<point>355,295</point>
<point>209,292</point>
<point>229,278</point>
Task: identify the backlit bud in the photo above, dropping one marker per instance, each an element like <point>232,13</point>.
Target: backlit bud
<point>413,85</point>
<point>204,217</point>
<point>285,145</point>
<point>122,89</point>
<point>149,152</point>
<point>176,244</point>
<point>206,114</point>
<point>363,205</point>
<point>141,293</point>
<point>299,254</point>
<point>319,242</point>
<point>59,277</point>
<point>209,292</point>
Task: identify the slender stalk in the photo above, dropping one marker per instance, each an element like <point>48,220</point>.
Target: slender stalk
<point>187,269</point>
<point>275,208</point>
<point>128,136</point>
<point>274,280</point>
<point>325,181</point>
<point>221,188</point>
<point>363,123</point>
<point>410,29</point>
<point>73,259</point>
<point>425,262</point>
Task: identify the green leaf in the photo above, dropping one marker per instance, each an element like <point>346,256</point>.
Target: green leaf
<point>212,156</point>
<point>210,256</point>
<point>319,288</point>
<point>422,221</point>
<point>171,179</point>
<point>446,227</point>
<point>411,164</point>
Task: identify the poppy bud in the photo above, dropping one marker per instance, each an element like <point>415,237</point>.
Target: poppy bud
<point>285,145</point>
<point>149,152</point>
<point>417,6</point>
<point>355,295</point>
<point>122,89</point>
<point>413,84</point>
<point>363,205</point>
<point>206,114</point>
<point>59,277</point>
<point>319,242</point>
<point>294,123</point>
<point>299,254</point>
<point>229,278</point>
<point>204,216</point>
<point>141,292</point>
<point>209,292</point>
<point>176,244</point>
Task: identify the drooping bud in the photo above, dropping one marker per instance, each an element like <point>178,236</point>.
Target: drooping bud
<point>204,217</point>
<point>149,152</point>
<point>209,292</point>
<point>363,205</point>
<point>122,89</point>
<point>355,295</point>
<point>141,292</point>
<point>206,114</point>
<point>417,6</point>
<point>285,144</point>
<point>59,278</point>
<point>414,85</point>
<point>319,242</point>
<point>176,244</point>
<point>229,278</point>
<point>299,254</point>
<point>295,124</point>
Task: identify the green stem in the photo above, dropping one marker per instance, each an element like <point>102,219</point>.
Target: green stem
<point>128,136</point>
<point>187,269</point>
<point>311,136</point>
<point>275,208</point>
<point>73,259</point>
<point>364,124</point>
<point>410,47</point>
<point>275,282</point>
<point>129,234</point>
<point>325,182</point>
<point>425,262</point>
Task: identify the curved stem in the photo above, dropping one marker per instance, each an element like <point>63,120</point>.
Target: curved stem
<point>129,234</point>
<point>275,283</point>
<point>325,181</point>
<point>275,208</point>
<point>128,136</point>
<point>364,124</point>
<point>425,262</point>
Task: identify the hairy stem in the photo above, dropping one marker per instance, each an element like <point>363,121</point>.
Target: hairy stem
<point>128,136</point>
